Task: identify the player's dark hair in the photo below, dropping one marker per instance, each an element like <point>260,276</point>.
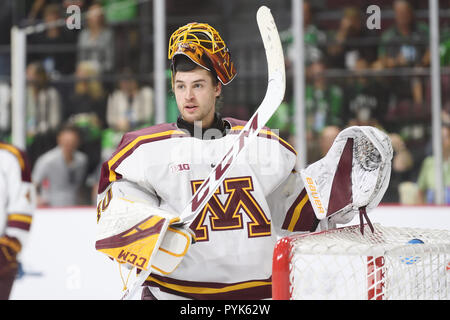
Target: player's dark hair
<point>183,63</point>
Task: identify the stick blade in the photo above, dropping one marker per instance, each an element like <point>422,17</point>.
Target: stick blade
<point>275,64</point>
<point>272,42</point>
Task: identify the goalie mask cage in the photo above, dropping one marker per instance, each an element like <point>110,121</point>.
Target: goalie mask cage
<point>341,264</point>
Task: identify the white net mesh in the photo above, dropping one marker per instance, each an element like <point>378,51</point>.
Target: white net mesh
<point>343,264</point>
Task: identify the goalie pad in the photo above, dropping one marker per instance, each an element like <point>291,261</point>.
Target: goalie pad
<point>140,235</point>
<point>353,176</point>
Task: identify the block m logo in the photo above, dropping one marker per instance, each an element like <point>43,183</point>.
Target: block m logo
<point>228,216</point>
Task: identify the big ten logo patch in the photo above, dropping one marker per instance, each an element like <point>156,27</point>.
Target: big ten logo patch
<point>179,167</point>
<point>225,210</point>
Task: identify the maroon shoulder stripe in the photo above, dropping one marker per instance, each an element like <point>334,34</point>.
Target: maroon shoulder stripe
<point>265,132</point>
<point>129,143</point>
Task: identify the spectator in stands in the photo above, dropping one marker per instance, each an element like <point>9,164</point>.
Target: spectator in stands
<point>323,100</point>
<point>35,10</point>
<point>366,105</point>
<point>427,178</point>
<point>402,165</point>
<point>314,44</point>
<point>352,41</point>
<point>314,38</point>
<point>62,60</point>
<point>365,102</point>
<point>59,173</point>
<point>444,50</point>
<point>88,98</point>
<point>130,106</point>
<point>96,41</point>
<point>122,15</point>
<point>405,45</point>
<point>327,137</point>
<point>43,111</point>
<point>323,104</point>
<point>402,160</point>
<point>86,109</point>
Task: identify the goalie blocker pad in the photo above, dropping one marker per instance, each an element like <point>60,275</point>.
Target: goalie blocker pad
<point>152,242</point>
<point>354,174</point>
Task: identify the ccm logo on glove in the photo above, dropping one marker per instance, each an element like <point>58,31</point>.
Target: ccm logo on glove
<point>123,256</point>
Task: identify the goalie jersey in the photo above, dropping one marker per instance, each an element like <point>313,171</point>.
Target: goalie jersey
<point>261,198</point>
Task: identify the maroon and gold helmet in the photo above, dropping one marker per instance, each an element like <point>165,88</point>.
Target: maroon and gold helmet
<point>199,41</point>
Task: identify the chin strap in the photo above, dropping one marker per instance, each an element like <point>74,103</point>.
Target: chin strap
<point>362,216</point>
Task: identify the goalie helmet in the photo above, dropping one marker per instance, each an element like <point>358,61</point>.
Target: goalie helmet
<point>203,45</point>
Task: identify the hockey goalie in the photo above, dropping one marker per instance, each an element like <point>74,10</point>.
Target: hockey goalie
<point>225,251</point>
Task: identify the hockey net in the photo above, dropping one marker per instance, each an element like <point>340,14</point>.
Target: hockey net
<point>341,264</point>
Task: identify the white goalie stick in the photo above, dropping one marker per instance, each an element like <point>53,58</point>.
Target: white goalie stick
<point>272,99</point>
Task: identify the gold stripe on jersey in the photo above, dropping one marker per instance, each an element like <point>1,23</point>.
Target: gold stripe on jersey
<point>297,212</point>
<point>128,147</point>
<point>209,290</point>
<point>15,152</point>
<point>20,218</point>
<point>270,133</point>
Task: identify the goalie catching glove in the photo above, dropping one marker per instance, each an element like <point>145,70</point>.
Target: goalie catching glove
<point>142,236</point>
<point>352,177</point>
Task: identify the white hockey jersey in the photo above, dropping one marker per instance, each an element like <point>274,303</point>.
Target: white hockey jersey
<point>261,197</point>
<point>17,193</point>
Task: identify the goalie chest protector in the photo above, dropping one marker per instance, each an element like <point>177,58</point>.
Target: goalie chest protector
<point>234,236</point>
